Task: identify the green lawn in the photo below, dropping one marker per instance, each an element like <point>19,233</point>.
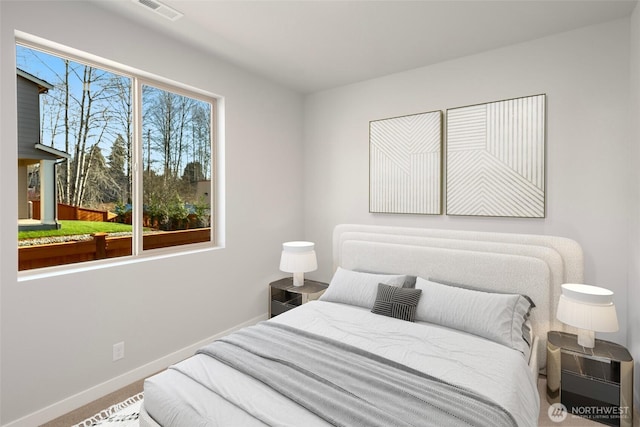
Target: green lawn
<point>71,228</point>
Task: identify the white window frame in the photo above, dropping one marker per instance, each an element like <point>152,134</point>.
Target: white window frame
<point>217,134</point>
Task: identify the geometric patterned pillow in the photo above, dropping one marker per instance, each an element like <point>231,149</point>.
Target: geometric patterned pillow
<point>396,302</point>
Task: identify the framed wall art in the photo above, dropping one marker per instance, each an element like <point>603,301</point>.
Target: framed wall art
<point>405,164</point>
<point>496,158</point>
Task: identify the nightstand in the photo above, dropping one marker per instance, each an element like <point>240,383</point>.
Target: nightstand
<point>594,383</point>
<point>284,296</point>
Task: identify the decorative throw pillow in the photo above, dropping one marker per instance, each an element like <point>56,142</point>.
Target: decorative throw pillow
<point>357,288</point>
<point>396,302</point>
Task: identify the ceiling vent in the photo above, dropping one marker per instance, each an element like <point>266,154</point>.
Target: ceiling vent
<point>159,8</point>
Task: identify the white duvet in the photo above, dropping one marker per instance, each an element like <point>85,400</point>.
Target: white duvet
<point>488,368</point>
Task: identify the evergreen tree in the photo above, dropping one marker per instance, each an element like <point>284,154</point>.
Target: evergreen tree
<point>98,180</point>
<point>117,163</point>
<point>193,172</point>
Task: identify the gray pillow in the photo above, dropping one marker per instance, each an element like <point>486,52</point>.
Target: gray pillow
<point>527,331</point>
<point>495,316</point>
<point>356,288</point>
<point>409,281</point>
<point>399,303</point>
<point>475,288</point>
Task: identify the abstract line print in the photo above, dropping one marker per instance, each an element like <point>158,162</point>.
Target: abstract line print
<point>405,164</point>
<point>496,159</point>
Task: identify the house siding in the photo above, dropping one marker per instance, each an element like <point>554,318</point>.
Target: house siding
<point>28,121</point>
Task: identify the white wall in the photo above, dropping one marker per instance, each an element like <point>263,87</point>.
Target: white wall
<point>633,300</point>
<point>585,74</point>
<point>57,333</point>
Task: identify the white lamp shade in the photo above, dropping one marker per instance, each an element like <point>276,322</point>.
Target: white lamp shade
<point>298,257</point>
<point>587,307</point>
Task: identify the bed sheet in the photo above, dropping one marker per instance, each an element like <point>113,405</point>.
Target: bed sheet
<point>222,396</point>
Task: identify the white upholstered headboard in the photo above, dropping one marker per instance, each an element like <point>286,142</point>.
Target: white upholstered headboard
<point>533,265</point>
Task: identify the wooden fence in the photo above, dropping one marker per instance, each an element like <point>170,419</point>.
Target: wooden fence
<point>74,213</point>
<point>102,246</point>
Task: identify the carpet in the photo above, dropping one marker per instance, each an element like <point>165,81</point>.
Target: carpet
<point>123,414</point>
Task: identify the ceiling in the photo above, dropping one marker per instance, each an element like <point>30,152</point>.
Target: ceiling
<point>314,45</point>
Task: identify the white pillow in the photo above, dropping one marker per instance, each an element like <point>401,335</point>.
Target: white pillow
<point>495,316</point>
<point>356,288</point>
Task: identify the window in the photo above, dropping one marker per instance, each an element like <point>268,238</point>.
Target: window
<point>176,137</point>
<point>110,163</point>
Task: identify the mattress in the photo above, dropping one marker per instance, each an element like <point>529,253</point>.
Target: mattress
<point>221,396</point>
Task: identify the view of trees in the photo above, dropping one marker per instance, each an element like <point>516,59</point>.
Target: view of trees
<point>89,114</point>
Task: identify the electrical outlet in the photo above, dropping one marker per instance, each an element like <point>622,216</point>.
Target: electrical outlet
<point>118,351</point>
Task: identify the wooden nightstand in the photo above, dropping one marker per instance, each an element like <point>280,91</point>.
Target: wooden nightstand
<point>284,296</point>
<point>594,383</point>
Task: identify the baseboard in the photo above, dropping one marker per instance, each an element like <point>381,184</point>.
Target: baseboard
<point>87,396</point>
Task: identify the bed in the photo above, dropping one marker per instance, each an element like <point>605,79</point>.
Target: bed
<point>352,358</point>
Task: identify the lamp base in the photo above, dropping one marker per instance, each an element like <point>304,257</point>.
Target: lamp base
<point>298,279</point>
<point>586,338</point>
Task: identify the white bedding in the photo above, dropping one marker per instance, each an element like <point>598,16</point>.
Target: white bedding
<point>490,369</point>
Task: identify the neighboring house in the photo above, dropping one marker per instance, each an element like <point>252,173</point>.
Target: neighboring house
<point>31,151</point>
<point>202,190</point>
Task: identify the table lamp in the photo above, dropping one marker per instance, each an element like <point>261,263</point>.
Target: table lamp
<point>298,258</point>
<point>588,308</point>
